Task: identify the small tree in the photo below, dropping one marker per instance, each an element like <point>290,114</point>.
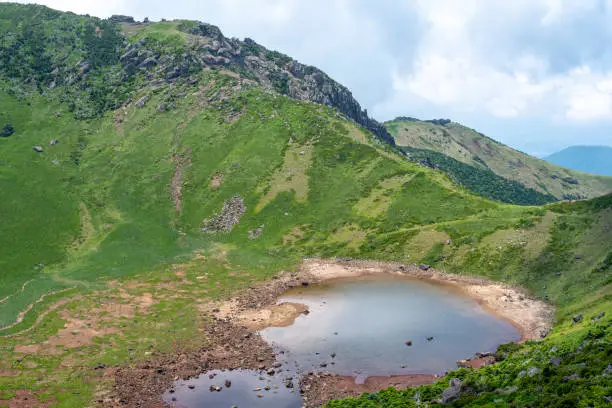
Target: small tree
<point>7,130</point>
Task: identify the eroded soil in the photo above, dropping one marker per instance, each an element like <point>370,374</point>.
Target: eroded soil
<point>232,341</point>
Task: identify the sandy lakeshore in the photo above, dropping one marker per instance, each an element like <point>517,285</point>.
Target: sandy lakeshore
<point>532,317</point>
<point>234,341</point>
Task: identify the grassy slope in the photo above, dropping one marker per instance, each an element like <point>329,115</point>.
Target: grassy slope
<point>108,227</point>
<point>473,148</point>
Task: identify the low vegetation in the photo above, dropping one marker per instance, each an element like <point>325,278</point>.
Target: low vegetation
<point>490,168</point>
<point>103,260</point>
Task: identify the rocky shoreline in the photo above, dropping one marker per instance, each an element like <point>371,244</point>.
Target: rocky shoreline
<point>233,342</point>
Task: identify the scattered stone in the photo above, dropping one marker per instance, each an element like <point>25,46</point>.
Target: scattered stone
<point>577,318</point>
<point>555,361</point>
<point>142,102</point>
<point>271,371</point>
<point>333,355</point>
<point>53,142</point>
<point>119,18</point>
<point>543,332</point>
<point>277,365</point>
<point>424,267</point>
<point>306,312</point>
<point>256,233</point>
<point>532,371</point>
<point>304,283</point>
<point>323,364</point>
<point>572,377</point>
<point>409,342</point>
<point>38,149</point>
<point>7,130</point>
<point>430,338</point>
<point>599,316</point>
<point>453,392</point>
<point>228,383</point>
<point>508,390</point>
<point>191,386</point>
<point>233,209</point>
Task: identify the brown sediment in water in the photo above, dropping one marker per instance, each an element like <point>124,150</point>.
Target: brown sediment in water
<point>235,343</point>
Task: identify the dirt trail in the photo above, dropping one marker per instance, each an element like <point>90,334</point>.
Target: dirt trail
<point>41,317</point>
<point>26,399</point>
<point>22,314</point>
<point>20,291</point>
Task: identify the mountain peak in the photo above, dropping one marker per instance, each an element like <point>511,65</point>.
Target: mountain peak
<point>588,159</point>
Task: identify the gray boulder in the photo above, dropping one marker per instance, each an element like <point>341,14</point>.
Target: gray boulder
<point>453,392</point>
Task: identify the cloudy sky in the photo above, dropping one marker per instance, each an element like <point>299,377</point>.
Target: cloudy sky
<point>535,74</point>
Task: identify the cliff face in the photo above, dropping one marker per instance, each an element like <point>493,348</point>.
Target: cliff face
<point>210,48</point>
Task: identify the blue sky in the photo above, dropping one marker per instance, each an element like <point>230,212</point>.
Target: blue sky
<point>534,74</point>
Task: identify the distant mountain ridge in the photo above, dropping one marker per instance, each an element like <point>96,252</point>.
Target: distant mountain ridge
<point>589,159</point>
<point>491,165</point>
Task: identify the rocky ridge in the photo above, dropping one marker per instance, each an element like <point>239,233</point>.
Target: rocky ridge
<point>209,48</point>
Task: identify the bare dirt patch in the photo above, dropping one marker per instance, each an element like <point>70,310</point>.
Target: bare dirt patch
<point>26,399</point>
<point>78,332</point>
<point>281,315</point>
<point>232,341</point>
<point>322,387</point>
<point>216,181</point>
<point>9,373</point>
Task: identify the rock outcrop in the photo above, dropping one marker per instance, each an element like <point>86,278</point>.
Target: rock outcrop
<point>210,48</point>
<point>233,209</point>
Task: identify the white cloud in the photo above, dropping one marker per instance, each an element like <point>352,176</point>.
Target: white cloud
<point>450,69</point>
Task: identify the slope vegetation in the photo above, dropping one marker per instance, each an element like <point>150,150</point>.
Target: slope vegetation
<point>149,195</point>
<point>488,158</point>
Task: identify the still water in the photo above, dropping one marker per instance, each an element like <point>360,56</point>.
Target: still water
<point>359,327</point>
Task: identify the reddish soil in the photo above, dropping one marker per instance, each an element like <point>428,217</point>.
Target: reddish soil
<point>321,388</point>
<point>233,343</point>
<point>26,399</point>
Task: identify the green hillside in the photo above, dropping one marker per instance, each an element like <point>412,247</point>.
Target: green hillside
<point>167,184</point>
<point>488,158</point>
<point>589,159</point>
